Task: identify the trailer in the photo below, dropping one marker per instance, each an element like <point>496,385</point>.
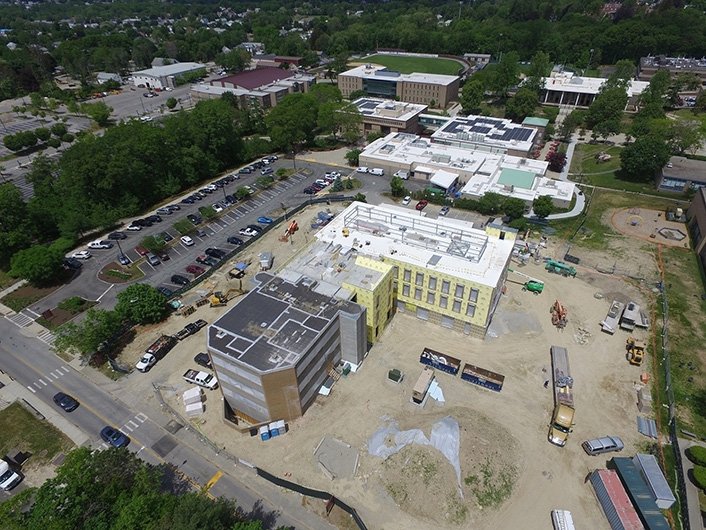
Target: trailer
<point>482,377</point>
<point>563,416</point>
<point>440,361</point>
<point>610,323</point>
<point>161,346</point>
<point>562,520</point>
<point>422,386</point>
<point>631,316</point>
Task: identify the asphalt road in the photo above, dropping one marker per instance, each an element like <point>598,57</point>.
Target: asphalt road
<point>27,361</point>
<point>264,202</point>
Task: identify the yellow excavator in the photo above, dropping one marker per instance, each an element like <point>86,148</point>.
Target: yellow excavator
<point>635,351</point>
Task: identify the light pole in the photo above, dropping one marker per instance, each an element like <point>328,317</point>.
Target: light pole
<point>120,248</point>
<point>590,58</point>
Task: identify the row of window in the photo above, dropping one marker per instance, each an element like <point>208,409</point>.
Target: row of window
<point>456,305</point>
<point>432,284</point>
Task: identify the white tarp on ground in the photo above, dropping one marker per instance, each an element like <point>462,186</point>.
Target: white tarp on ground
<point>445,438</point>
<point>435,392</point>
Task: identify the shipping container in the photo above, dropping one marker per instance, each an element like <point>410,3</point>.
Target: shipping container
<point>614,500</point>
<point>653,476</point>
<point>440,361</point>
<point>423,383</point>
<point>482,377</point>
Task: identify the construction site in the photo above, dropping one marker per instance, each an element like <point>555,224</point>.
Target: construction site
<point>472,450</point>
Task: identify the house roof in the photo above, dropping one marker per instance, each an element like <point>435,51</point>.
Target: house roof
<point>251,79</point>
<point>685,169</point>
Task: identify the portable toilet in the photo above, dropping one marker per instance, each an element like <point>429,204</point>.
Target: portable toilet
<point>264,433</point>
<point>281,427</point>
<point>274,431</point>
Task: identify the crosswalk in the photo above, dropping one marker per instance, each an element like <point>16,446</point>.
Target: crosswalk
<point>41,382</point>
<point>47,337</point>
<point>21,320</point>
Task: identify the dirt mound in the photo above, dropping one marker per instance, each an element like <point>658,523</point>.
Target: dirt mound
<point>423,483</point>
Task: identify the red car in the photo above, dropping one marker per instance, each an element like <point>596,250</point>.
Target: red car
<point>142,251</point>
<point>195,270</point>
<point>422,204</point>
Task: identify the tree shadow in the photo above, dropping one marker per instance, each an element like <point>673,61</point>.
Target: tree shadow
<point>174,481</point>
<point>257,512</point>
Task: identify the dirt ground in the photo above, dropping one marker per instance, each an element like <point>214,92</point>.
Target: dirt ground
<point>511,476</point>
<point>650,225</point>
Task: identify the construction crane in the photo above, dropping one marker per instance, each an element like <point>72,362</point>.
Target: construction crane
<point>533,285</point>
<point>559,315</point>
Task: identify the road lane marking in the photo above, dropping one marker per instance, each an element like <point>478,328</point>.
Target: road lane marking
<point>126,426</point>
<point>65,369</point>
<point>37,385</point>
<point>58,372</point>
<point>212,481</point>
<point>32,389</point>
<point>141,417</point>
<point>104,293</point>
<point>132,423</point>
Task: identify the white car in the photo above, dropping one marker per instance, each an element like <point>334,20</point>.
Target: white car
<point>212,187</point>
<point>323,182</point>
<point>217,208</point>
<point>406,200</point>
<point>404,175</point>
<point>377,171</point>
<point>100,244</point>
<point>81,254</point>
<point>134,228</point>
<point>146,362</point>
<point>187,240</point>
<point>335,174</point>
<point>247,232</point>
<point>362,169</point>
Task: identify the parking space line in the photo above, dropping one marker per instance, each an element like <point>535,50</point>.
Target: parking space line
<point>141,417</point>
<point>133,424</point>
<point>31,389</point>
<point>126,426</point>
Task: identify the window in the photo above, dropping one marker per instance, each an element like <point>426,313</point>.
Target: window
<point>419,279</point>
<point>470,310</point>
<point>430,298</point>
<point>459,291</point>
<point>473,295</point>
<point>444,302</point>
<point>407,275</point>
<point>432,283</point>
<point>445,286</point>
<point>405,290</point>
<point>457,306</point>
<point>417,294</point>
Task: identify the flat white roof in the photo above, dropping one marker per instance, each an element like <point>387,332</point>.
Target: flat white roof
<point>414,153</point>
<point>388,109</point>
<point>486,130</point>
<point>480,184</point>
<point>170,69</point>
<point>374,71</point>
<point>443,178</point>
<point>569,82</point>
<point>448,246</point>
<point>203,88</point>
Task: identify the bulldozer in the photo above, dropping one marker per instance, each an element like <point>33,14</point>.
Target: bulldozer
<point>635,351</point>
<point>219,298</point>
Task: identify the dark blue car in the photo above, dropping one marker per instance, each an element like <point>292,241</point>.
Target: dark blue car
<point>114,437</point>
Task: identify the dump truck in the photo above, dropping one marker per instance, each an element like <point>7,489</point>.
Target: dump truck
<point>563,415</point>
<point>635,351</point>
<point>203,379</point>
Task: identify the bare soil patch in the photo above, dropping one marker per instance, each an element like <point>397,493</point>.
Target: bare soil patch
<point>650,225</point>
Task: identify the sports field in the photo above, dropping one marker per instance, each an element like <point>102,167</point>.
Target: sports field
<point>407,65</point>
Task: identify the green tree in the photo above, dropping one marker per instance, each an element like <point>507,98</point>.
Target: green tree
<point>234,61</point>
<point>397,187</point>
<point>141,304</point>
<point>325,93</point>
<point>543,206</point>
<point>339,117</point>
<point>506,74</point>
<point>491,203</point>
<point>641,159</point>
<point>608,106</point>
<point>522,104</point>
<point>88,336</point>
<point>622,74</point>
<point>652,99</point>
<point>357,94</point>
<point>353,156</point>
<point>13,142</point>
<point>472,96</point>
<point>242,193</point>
<point>684,136</point>
<point>14,226</point>
<point>42,133</point>
<point>359,197</point>
<point>38,264</point>
<point>540,67</point>
<point>337,185</point>
<point>58,129</point>
<point>98,112</point>
<point>171,103</point>
<point>514,208</point>
<point>292,122</point>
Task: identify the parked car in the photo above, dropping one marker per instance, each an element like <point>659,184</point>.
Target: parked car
<point>72,264</point>
<point>178,279</point>
<point>146,362</point>
<point>266,171</point>
<point>217,208</point>
<point>444,211</point>
<point>265,220</point>
<point>134,228</point>
<point>153,218</point>
<point>203,359</point>
<point>142,251</point>
<point>166,236</point>
<point>195,270</point>
<point>230,200</point>
<point>100,244</point>
<point>114,437</point>
<point>164,211</point>
<point>124,260</point>
<point>406,200</point>
<point>197,196</point>
<point>117,235</point>
<point>606,444</point>
<point>200,323</point>
<point>81,254</point>
<point>207,260</point>
<point>196,219</point>
<point>152,259</point>
<point>216,253</point>
<point>233,240</point>
<point>66,402</point>
<point>212,187</point>
<point>188,200</point>
<point>309,190</point>
<point>173,207</point>
<point>206,191</point>
<point>422,204</point>
<point>248,232</point>
<point>187,240</point>
<point>245,171</point>
<point>257,228</point>
<point>165,291</point>
<point>362,169</point>
<point>163,255</point>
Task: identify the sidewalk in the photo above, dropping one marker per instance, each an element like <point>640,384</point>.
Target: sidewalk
<point>696,520</point>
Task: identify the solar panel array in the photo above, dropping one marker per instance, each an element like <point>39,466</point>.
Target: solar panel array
<point>493,128</point>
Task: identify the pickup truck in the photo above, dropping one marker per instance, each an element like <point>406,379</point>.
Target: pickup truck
<point>155,352</point>
<point>203,379</point>
<point>8,478</point>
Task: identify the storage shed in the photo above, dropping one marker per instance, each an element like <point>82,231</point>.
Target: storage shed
<point>653,476</point>
<point>639,494</point>
<point>614,500</point>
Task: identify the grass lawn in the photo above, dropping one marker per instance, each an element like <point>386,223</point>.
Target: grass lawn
<point>687,114</point>
<point>6,280</point>
<point>407,65</point>
<point>20,429</point>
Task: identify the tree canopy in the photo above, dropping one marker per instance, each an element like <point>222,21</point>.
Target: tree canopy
<point>141,303</point>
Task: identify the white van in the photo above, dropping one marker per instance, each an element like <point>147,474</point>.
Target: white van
<point>8,478</point>
<point>376,171</point>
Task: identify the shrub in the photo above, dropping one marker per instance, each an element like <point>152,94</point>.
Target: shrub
<point>73,305</point>
<point>700,477</point>
<point>67,138</point>
<point>54,142</point>
<point>697,455</point>
<point>207,212</point>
